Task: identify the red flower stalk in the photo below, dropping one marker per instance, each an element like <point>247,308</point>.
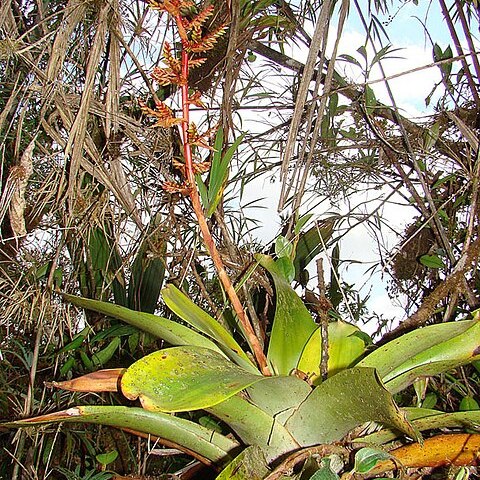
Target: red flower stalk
<point>190,32</point>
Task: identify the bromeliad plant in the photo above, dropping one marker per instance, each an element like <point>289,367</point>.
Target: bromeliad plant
<point>282,415</point>
<point>277,404</point>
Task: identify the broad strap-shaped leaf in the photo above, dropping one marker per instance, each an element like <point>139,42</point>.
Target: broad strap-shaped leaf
<point>344,349</point>
<point>172,332</point>
<point>343,402</point>
<point>180,379</point>
<point>292,325</point>
<point>425,351</point>
<point>279,396</point>
<point>255,427</point>
<point>184,308</point>
<point>248,465</point>
<point>425,419</point>
<point>189,435</point>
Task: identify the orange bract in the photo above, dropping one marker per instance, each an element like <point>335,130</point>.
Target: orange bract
<point>172,187</point>
<point>199,20</point>
<point>198,167</point>
<point>173,7</point>
<point>200,140</point>
<point>207,42</point>
<point>163,114</point>
<point>195,99</point>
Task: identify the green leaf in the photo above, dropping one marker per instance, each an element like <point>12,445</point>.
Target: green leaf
<point>310,244</point>
<point>370,100</point>
<point>279,396</point>
<point>219,171</point>
<point>437,52</point>
<point>333,105</point>
<point>425,419</point>
<point>426,351</point>
<point>205,442</point>
<point>286,268</point>
<point>343,402</point>
<point>255,426</point>
<point>430,136</point>
<point>148,271</point>
<point>103,356</point>
<point>301,222</point>
<point>462,474</point>
<point>468,403</point>
<point>350,59</point>
<point>182,306</point>
<point>431,261</point>
<point>172,332</point>
<point>77,340</point>
<point>283,248</point>
<point>180,379</point>
<point>106,458</point>
<point>106,262</point>
<point>324,473</point>
<point>344,350</point>
<point>367,458</point>
<point>249,465</point>
<point>292,324</point>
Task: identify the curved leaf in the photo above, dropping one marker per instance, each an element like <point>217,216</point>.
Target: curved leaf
<point>100,381</point>
<point>344,349</point>
<point>452,449</point>
<point>426,419</point>
<point>310,244</point>
<point>343,402</point>
<point>183,307</point>
<point>180,379</point>
<point>279,395</point>
<point>191,436</point>
<point>425,351</point>
<point>172,332</point>
<point>292,325</point>
<point>248,465</point>
<point>255,427</point>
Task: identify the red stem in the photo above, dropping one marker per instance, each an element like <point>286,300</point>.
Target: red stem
<point>207,236</point>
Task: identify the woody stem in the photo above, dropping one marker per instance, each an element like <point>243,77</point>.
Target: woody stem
<point>205,231</point>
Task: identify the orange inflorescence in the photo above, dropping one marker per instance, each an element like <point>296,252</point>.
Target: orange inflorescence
<point>200,140</point>
<point>173,7</point>
<point>172,187</point>
<point>198,167</point>
<point>207,42</point>
<point>195,99</point>
<point>163,114</point>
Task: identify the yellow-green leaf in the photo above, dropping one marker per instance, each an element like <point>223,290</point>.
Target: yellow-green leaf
<point>182,306</point>
<point>344,350</point>
<point>180,379</point>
